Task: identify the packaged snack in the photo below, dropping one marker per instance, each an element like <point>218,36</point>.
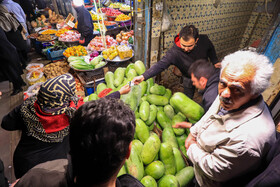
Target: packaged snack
<point>124,51</point>
<point>35,76</point>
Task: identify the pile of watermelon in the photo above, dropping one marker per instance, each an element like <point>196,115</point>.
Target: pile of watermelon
<point>158,154</point>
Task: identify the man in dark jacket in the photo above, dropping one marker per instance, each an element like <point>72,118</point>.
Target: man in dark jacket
<point>188,47</point>
<point>205,77</point>
<point>85,23</point>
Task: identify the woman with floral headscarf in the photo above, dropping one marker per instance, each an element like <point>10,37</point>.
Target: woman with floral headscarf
<point>44,122</point>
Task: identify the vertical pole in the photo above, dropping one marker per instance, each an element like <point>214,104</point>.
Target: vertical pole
<point>147,31</point>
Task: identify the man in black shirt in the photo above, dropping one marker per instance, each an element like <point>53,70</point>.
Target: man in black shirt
<point>205,77</point>
<point>188,47</point>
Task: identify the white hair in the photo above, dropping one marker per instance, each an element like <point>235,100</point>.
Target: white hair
<point>264,68</point>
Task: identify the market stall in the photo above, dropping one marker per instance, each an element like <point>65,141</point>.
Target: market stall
<point>104,66</point>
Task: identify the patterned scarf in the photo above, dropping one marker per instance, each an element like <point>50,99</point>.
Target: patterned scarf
<point>54,98</point>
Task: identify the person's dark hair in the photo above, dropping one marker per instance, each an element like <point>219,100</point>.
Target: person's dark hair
<point>188,32</point>
<point>202,68</point>
<point>100,134</point>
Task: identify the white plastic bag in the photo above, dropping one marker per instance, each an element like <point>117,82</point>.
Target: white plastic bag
<point>35,66</point>
<point>35,76</point>
<point>133,97</point>
<point>167,21</point>
<point>32,90</point>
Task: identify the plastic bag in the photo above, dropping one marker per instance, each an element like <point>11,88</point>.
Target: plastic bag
<point>35,76</point>
<point>32,90</point>
<point>133,97</point>
<point>167,21</point>
<point>34,66</point>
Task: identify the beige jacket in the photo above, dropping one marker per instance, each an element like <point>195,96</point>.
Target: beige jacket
<point>231,145</point>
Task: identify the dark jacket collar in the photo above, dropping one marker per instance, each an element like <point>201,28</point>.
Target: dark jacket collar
<point>213,79</point>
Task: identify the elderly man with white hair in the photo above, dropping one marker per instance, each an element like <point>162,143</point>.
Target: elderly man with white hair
<point>231,139</point>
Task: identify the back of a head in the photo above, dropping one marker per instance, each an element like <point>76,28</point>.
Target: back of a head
<point>247,60</point>
<point>100,134</point>
<point>202,68</point>
<point>188,32</point>
<point>56,93</point>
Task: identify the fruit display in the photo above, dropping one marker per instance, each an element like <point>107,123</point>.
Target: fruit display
<point>99,26</point>
<point>70,36</point>
<point>109,11</point>
<point>109,23</point>
<point>55,18</point>
<point>98,45</point>
<point>55,69</point>
<point>61,31</point>
<point>40,22</point>
<point>96,17</point>
<point>113,12</point>
<point>75,51</point>
<point>123,37</point>
<point>122,17</point>
<point>102,10</point>
<point>115,5</point>
<point>110,53</point>
<point>158,153</point>
<point>125,8</point>
<point>45,37</point>
<point>49,31</point>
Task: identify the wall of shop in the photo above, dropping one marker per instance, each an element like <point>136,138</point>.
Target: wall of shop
<point>230,25</point>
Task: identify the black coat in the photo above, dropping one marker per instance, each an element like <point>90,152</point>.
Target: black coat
<point>10,68</point>
<point>85,23</point>
<point>31,151</point>
<point>271,175</point>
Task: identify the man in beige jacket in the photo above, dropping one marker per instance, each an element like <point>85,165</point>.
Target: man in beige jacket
<point>234,135</point>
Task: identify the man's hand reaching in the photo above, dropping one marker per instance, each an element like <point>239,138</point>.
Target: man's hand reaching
<point>138,79</point>
<point>182,125</point>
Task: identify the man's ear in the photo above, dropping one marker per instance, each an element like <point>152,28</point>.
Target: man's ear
<point>203,81</point>
<point>196,40</point>
<point>128,151</point>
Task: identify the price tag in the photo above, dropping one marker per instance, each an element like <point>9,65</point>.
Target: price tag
<point>70,24</point>
<point>38,29</point>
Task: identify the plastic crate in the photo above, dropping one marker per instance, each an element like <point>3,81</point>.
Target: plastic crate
<point>90,88</point>
<point>55,55</point>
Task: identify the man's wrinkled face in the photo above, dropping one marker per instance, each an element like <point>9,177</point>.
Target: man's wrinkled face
<point>234,87</point>
<point>197,83</point>
<point>188,46</point>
